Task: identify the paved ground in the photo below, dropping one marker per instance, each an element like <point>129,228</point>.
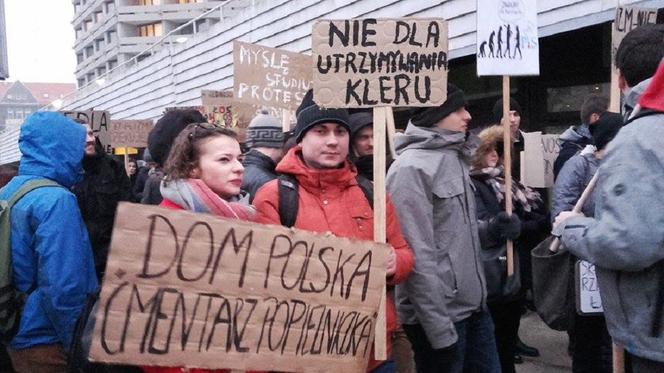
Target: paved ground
<point>551,344</point>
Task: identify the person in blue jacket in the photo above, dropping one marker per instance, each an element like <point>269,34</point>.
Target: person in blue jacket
<point>50,248</point>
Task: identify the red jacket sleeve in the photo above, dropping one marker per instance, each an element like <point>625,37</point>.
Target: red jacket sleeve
<point>266,203</point>
<point>405,258</point>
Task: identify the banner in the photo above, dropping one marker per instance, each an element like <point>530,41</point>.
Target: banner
<point>99,120</point>
<point>270,77</point>
<point>380,62</point>
<point>130,133</point>
<point>194,290</point>
<point>507,41</point>
<point>540,152</point>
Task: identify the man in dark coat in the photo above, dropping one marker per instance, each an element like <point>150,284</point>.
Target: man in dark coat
<point>265,139</point>
<point>104,185</point>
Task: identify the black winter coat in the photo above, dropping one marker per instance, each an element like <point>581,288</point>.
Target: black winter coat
<point>258,170</point>
<point>104,185</point>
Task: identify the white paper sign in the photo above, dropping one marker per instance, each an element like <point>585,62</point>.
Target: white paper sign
<point>507,41</point>
<point>540,152</point>
<point>588,300</point>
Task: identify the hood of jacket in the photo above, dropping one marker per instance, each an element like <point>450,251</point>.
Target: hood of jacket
<point>635,93</point>
<point>313,179</point>
<point>52,146</point>
<point>434,138</point>
<point>576,134</point>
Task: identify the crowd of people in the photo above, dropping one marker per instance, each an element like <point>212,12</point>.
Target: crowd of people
<point>451,305</point>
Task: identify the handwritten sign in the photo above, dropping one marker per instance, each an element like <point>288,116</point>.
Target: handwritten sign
<point>626,20</point>
<point>221,108</point>
<point>270,77</point>
<point>507,41</point>
<point>540,152</point>
<point>380,62</point>
<point>194,290</point>
<point>130,133</point>
<point>99,121</point>
<point>588,300</point>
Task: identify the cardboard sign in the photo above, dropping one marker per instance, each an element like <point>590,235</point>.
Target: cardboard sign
<point>627,19</point>
<point>380,62</point>
<point>194,290</point>
<point>130,133</point>
<point>588,300</point>
<point>220,115</point>
<point>540,152</point>
<point>99,120</point>
<point>507,41</point>
<point>270,77</point>
<point>222,109</point>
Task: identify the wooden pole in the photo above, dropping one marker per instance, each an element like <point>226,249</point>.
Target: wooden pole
<point>380,234</point>
<point>618,359</point>
<point>126,160</point>
<point>614,89</point>
<point>507,162</point>
<point>286,120</point>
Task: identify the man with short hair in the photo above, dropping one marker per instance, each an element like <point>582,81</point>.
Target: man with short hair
<point>51,256</point>
<point>104,185</point>
<point>576,138</point>
<point>624,239</point>
<point>442,305</point>
<point>265,139</point>
<point>329,196</point>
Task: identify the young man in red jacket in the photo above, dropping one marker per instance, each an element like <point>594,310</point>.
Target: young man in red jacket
<point>329,196</point>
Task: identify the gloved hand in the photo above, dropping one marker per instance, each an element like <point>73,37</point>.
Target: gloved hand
<point>505,227</point>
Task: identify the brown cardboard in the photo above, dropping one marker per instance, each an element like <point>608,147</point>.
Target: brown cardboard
<point>221,108</point>
<point>373,68</point>
<point>164,264</point>
<point>270,77</point>
<point>628,18</point>
<point>99,120</point>
<point>133,133</point>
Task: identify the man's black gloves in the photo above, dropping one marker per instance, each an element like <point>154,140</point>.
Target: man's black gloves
<point>505,227</point>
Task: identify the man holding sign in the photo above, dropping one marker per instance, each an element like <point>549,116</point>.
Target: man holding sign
<point>443,304</point>
<point>325,194</point>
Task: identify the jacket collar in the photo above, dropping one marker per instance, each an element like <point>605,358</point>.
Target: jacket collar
<point>256,158</point>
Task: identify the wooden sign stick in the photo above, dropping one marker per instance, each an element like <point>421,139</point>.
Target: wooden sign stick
<point>614,89</point>
<point>380,235</point>
<point>391,131</point>
<point>126,160</point>
<point>286,120</point>
<point>618,359</point>
<point>507,162</point>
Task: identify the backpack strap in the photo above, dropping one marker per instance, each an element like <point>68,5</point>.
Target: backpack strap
<point>367,188</point>
<point>28,187</point>
<point>288,199</point>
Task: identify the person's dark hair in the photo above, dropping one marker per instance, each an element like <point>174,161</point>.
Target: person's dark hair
<point>607,127</point>
<point>185,152</point>
<point>166,130</point>
<point>593,104</point>
<point>640,52</point>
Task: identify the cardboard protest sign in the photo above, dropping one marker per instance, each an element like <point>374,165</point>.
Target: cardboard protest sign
<point>130,133</point>
<point>507,42</point>
<point>380,62</point>
<point>194,290</point>
<point>628,18</point>
<point>220,108</point>
<point>588,300</point>
<point>270,77</point>
<point>540,152</point>
<point>99,120</point>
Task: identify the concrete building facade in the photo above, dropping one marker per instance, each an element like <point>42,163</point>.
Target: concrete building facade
<point>110,32</point>
<point>4,68</point>
<point>575,55</point>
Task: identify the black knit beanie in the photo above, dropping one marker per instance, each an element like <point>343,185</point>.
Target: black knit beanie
<point>309,114</point>
<point>358,121</point>
<point>498,109</point>
<point>605,129</point>
<point>167,129</point>
<point>429,116</point>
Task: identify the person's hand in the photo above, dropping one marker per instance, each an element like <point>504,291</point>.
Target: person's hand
<point>391,262</point>
<point>505,227</point>
<point>564,216</point>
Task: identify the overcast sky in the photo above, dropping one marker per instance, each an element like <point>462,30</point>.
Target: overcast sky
<point>40,40</point>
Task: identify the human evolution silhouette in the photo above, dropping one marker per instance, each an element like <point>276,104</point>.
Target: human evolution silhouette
<point>500,43</point>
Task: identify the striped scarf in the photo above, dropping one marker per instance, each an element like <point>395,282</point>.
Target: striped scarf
<point>196,196</point>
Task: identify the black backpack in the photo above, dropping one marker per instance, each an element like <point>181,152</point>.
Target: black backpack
<point>288,197</point>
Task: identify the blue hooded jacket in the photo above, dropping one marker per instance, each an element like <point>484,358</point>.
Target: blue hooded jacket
<point>50,248</point>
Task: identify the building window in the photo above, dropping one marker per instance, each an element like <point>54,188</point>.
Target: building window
<point>564,99</point>
<point>149,2</point>
<point>189,1</point>
<point>152,29</point>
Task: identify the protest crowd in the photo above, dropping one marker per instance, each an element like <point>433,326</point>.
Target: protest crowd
<point>451,303</point>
